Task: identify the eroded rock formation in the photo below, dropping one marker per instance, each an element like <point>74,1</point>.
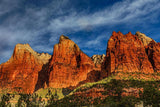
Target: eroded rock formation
<point>126,53</point>
<point>153,51</point>
<point>26,71</point>
<point>145,39</point>
<point>98,59</point>
<point>69,65</point>
<point>20,72</point>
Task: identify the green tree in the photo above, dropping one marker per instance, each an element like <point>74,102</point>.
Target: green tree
<point>5,100</point>
<point>151,96</point>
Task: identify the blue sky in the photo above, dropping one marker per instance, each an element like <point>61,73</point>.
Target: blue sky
<point>89,23</point>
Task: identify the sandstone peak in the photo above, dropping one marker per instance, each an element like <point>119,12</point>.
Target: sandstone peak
<point>145,39</point>
<point>120,33</point>
<point>114,33</point>
<point>126,53</point>
<point>69,65</point>
<point>21,49</point>
<point>63,42</point>
<point>22,69</point>
<point>62,37</point>
<point>129,33</point>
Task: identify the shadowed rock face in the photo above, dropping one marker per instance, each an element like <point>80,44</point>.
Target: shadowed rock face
<point>69,65</point>
<point>20,72</point>
<point>153,51</point>
<point>126,53</point>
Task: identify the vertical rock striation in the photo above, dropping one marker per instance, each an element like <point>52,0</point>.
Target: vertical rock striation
<point>153,51</point>
<point>69,65</point>
<point>126,53</point>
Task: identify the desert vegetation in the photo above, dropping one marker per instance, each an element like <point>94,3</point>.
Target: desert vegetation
<point>126,92</point>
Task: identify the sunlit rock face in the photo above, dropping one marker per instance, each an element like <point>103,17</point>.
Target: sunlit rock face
<point>98,59</point>
<point>69,65</point>
<point>145,39</point>
<point>20,72</point>
<point>152,50</point>
<point>126,53</point>
<point>27,71</point>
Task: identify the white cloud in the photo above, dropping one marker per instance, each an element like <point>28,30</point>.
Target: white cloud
<point>96,41</point>
<point>43,48</point>
<point>130,12</point>
<point>8,5</point>
<point>121,12</point>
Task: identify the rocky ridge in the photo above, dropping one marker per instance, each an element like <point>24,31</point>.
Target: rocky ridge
<point>126,53</point>
<point>20,72</point>
<point>69,65</point>
<point>145,39</point>
<point>27,71</point>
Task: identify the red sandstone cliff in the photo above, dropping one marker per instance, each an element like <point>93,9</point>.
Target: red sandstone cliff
<point>126,53</point>
<point>69,65</point>
<point>152,50</point>
<point>20,72</point>
<point>27,70</point>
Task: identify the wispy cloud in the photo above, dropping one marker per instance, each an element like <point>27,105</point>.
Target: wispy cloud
<point>8,5</point>
<point>128,12</point>
<point>120,12</point>
<point>97,41</point>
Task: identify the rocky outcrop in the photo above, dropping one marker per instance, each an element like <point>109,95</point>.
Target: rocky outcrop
<point>69,65</point>
<point>153,51</point>
<point>98,59</point>
<point>145,40</point>
<point>126,53</point>
<point>26,71</point>
<point>20,72</point>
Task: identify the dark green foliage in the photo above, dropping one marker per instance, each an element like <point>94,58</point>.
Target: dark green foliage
<point>52,99</point>
<point>66,91</point>
<point>24,100</point>
<point>5,100</point>
<point>128,101</point>
<point>148,91</point>
<point>151,96</point>
<point>29,100</point>
<point>114,88</point>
